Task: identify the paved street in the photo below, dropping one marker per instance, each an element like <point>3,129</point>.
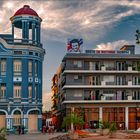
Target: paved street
<point>33,136</point>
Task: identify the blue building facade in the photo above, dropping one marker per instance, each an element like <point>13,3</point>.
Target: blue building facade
<point>21,60</point>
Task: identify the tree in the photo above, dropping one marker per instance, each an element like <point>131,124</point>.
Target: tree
<point>2,134</point>
<point>137,37</point>
<point>73,120</point>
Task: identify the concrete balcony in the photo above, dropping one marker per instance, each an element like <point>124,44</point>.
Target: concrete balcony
<point>103,69</point>
<point>103,84</point>
<point>98,101</point>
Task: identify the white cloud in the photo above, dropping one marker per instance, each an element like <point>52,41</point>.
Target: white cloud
<point>69,18</point>
<point>113,45</point>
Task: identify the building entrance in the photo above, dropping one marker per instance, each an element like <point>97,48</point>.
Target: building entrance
<point>33,121</point>
<point>2,120</point>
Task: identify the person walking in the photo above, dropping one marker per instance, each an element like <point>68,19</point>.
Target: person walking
<point>19,130</point>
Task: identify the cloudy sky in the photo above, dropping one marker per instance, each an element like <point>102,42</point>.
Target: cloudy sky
<point>103,24</point>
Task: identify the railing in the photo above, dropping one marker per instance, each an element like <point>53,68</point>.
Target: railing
<point>102,83</point>
<point>23,41</point>
<point>102,68</point>
<point>110,83</point>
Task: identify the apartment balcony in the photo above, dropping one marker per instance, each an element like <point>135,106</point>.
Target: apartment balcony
<point>99,101</point>
<point>128,99</point>
<point>102,69</point>
<point>102,84</point>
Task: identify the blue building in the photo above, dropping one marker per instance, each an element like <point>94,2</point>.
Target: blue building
<point>21,60</point>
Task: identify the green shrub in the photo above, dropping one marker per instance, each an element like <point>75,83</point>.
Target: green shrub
<point>113,127</point>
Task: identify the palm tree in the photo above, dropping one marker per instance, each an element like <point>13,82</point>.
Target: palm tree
<point>2,134</point>
<point>73,120</point>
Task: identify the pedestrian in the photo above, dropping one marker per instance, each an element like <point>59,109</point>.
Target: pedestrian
<point>19,130</point>
<point>52,129</point>
<point>49,129</point>
<point>22,129</point>
<point>44,129</point>
<point>120,126</point>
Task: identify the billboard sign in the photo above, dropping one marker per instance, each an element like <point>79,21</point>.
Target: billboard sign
<point>74,45</point>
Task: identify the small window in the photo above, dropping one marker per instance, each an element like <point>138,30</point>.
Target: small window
<point>77,63</point>
<point>17,52</point>
<point>30,53</point>
<point>17,66</point>
<point>3,91</point>
<point>77,77</point>
<point>3,67</point>
<point>30,91</point>
<point>30,67</point>
<point>36,54</point>
<point>17,91</point>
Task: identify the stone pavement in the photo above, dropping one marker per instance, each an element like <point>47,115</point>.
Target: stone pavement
<point>104,138</point>
<point>33,136</point>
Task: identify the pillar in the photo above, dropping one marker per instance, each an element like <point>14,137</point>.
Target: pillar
<point>27,30</point>
<point>25,121</point>
<point>23,29</point>
<point>39,122</point>
<point>126,117</point>
<point>100,113</point>
<point>8,122</point>
<point>13,30</point>
<point>72,126</point>
<point>38,33</point>
<point>33,32</point>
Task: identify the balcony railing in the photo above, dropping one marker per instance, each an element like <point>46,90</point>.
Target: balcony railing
<point>102,83</point>
<point>101,68</point>
<point>103,98</point>
<point>22,41</point>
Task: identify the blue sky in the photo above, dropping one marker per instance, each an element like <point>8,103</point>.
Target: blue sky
<point>103,24</point>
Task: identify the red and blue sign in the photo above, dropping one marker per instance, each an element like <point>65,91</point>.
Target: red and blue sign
<point>74,45</point>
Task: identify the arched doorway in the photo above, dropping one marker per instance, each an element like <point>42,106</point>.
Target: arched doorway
<point>17,118</point>
<point>33,121</point>
<point>2,119</point>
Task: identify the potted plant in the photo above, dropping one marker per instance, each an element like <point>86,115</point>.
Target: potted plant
<point>73,120</point>
<point>104,126</point>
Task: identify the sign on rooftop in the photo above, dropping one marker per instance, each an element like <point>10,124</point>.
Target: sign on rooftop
<point>107,52</point>
<point>74,45</point>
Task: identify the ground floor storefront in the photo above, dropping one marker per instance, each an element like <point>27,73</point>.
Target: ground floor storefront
<point>125,117</point>
<point>18,120</point>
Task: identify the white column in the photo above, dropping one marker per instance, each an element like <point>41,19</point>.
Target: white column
<point>72,126</point>
<point>126,117</point>
<point>8,121</point>
<point>100,113</point>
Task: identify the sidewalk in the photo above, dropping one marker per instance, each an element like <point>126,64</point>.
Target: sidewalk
<point>33,136</point>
